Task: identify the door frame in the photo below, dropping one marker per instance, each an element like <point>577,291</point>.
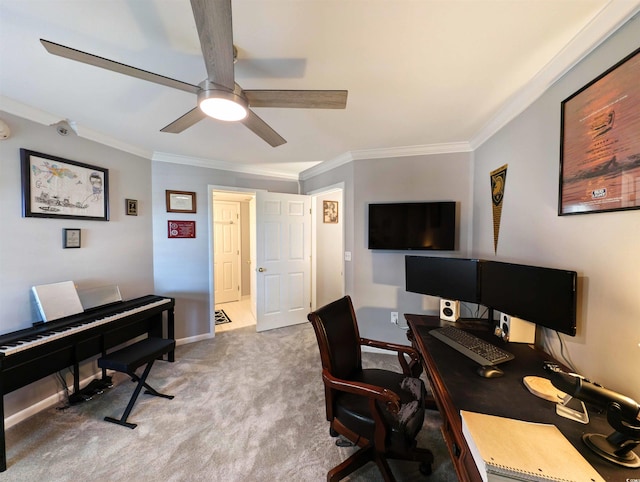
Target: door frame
<point>252,228</point>
<point>316,220</point>
<point>211,189</point>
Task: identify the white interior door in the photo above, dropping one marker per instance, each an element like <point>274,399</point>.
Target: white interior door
<point>283,264</point>
<point>253,257</point>
<point>226,247</point>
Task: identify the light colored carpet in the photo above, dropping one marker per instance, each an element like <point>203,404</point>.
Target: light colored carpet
<point>248,407</point>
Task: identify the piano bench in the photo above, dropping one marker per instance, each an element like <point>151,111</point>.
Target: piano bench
<point>128,360</point>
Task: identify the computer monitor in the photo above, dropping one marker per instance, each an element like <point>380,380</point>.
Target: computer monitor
<point>449,278</point>
<point>544,296</point>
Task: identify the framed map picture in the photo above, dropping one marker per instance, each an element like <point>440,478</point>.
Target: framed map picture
<point>53,187</point>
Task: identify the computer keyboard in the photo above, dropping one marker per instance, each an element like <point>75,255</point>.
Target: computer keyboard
<point>478,350</point>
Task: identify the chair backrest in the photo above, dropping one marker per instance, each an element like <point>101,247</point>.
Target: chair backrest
<point>338,337</point>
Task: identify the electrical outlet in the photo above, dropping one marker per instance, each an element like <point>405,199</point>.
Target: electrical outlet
<point>394,317</point>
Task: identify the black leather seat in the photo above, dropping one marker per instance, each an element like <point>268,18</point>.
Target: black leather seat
<point>378,410</point>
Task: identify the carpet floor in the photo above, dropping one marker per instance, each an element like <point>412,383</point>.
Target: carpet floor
<point>248,407</point>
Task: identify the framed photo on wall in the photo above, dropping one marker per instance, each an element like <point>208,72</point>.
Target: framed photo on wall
<point>131,207</point>
<point>53,187</point>
<point>330,212</point>
<point>71,238</point>
<point>181,201</point>
<point>600,143</point>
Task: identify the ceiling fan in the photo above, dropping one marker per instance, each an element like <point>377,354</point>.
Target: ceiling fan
<point>218,95</point>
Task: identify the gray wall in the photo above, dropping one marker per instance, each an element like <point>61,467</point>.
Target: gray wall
<point>31,253</point>
<point>602,247</point>
<point>181,266</point>
<point>375,279</point>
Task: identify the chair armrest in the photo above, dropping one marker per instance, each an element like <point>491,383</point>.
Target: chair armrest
<point>372,392</point>
<point>413,368</point>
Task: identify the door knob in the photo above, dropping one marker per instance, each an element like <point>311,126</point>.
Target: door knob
<point>261,270</point>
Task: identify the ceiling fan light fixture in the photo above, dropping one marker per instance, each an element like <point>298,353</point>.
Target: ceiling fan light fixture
<point>222,105</point>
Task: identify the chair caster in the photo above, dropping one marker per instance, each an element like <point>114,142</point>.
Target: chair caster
<point>333,433</point>
<point>425,468</point>
<point>343,442</point>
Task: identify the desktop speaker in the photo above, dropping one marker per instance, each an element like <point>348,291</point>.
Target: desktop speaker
<point>449,310</point>
<point>516,330</point>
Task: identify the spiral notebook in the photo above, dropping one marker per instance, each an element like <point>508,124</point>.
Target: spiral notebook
<point>506,449</point>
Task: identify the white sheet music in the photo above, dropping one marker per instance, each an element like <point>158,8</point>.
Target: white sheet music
<point>57,300</point>
<point>102,295</point>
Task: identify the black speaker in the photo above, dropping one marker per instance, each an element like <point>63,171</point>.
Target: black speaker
<point>449,310</point>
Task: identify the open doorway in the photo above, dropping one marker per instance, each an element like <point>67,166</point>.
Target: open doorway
<point>231,238</point>
<point>327,245</point>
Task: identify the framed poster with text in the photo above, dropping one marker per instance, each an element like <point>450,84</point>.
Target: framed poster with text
<point>181,229</point>
<point>600,143</point>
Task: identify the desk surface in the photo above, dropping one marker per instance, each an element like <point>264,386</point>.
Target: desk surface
<point>457,386</point>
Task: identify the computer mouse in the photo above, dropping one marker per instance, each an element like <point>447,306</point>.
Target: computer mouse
<point>489,371</point>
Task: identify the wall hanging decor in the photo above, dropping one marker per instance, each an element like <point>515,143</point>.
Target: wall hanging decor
<point>181,201</point>
<point>181,229</point>
<point>330,212</point>
<point>53,187</point>
<point>498,182</point>
<point>600,143</point>
<point>131,207</point>
<point>71,238</point>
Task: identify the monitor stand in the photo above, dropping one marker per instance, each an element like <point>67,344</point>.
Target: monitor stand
<point>573,409</point>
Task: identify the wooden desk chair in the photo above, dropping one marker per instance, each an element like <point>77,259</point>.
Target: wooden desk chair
<point>378,410</point>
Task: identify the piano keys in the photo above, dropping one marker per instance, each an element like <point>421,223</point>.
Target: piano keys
<point>33,353</point>
<point>48,334</point>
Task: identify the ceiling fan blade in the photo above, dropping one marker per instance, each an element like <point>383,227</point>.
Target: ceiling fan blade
<point>262,129</point>
<point>304,99</point>
<point>184,122</point>
<point>213,21</point>
<point>79,56</point>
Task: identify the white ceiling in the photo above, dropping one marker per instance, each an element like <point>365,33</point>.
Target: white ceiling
<point>422,76</point>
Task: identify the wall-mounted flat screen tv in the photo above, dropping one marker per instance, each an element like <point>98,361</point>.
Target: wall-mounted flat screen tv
<point>544,296</point>
<point>413,226</point>
<point>450,278</point>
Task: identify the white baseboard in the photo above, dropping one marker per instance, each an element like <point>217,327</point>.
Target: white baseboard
<point>193,339</point>
<point>56,397</point>
<point>42,404</point>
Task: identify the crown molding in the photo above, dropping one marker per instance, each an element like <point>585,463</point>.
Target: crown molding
<point>384,153</point>
<point>609,19</point>
<point>45,118</point>
<point>222,165</point>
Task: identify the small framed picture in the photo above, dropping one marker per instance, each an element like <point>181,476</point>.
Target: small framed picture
<point>181,202</point>
<point>70,238</point>
<point>132,207</point>
<point>330,212</point>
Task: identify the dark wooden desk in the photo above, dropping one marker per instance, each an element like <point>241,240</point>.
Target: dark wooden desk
<point>456,386</point>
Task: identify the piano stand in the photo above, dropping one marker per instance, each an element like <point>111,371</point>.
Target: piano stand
<point>130,358</point>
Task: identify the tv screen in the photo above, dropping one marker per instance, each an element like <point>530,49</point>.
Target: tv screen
<point>409,226</point>
<point>449,278</point>
<point>544,296</point>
